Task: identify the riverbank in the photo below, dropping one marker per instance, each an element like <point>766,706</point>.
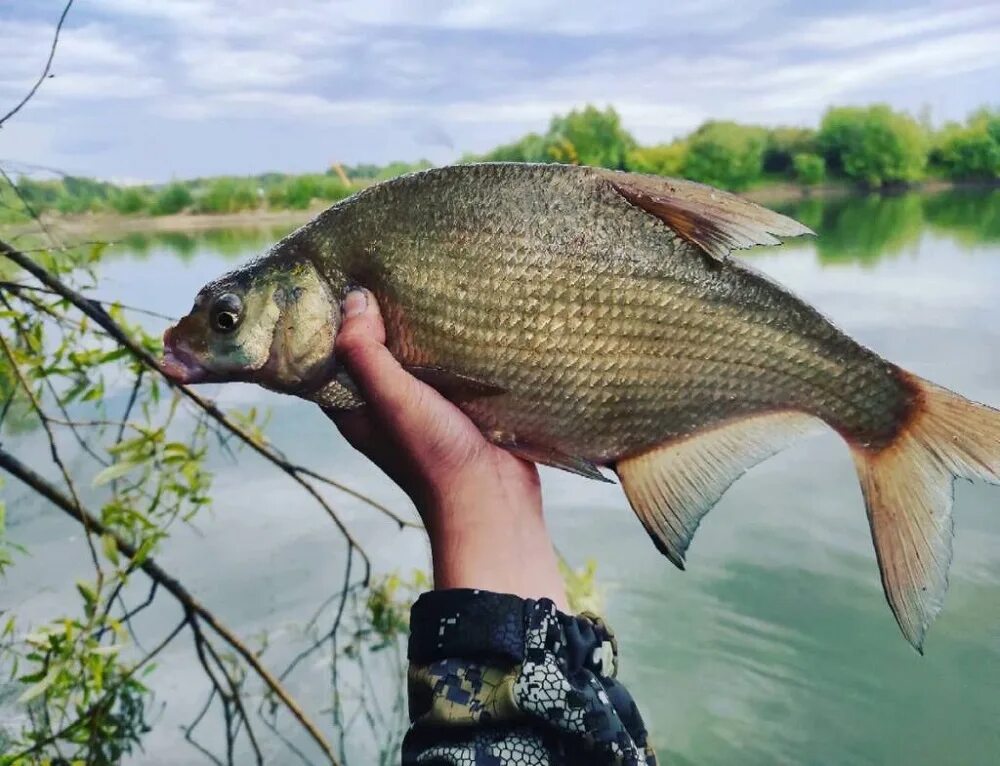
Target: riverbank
<point>109,224</point>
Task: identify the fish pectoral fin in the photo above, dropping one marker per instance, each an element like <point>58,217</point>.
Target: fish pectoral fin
<point>556,459</point>
<point>672,486</point>
<point>453,385</point>
<point>715,221</point>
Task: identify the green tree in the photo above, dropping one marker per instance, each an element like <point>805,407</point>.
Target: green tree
<point>783,143</point>
<point>726,154</point>
<point>809,169</point>
<point>873,145</point>
<point>171,199</point>
<point>532,148</point>
<point>970,151</point>
<point>661,160</point>
<point>590,136</point>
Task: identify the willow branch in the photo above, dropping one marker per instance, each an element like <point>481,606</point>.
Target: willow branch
<point>45,71</point>
<point>169,583</point>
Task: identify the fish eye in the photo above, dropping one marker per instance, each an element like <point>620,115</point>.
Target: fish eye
<point>227,311</point>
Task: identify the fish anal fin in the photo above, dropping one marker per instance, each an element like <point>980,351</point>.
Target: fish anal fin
<point>715,221</point>
<point>453,385</point>
<point>672,486</point>
<point>555,459</point>
<point>907,487</point>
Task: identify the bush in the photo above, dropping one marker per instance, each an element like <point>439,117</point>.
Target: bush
<point>873,145</point>
<point>129,201</point>
<point>229,195</point>
<point>661,160</point>
<point>809,169</point>
<point>298,192</point>
<point>171,199</point>
<point>725,154</point>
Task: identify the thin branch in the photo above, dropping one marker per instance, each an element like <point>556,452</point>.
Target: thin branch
<point>53,448</point>
<point>19,287</point>
<point>52,493</point>
<point>45,71</point>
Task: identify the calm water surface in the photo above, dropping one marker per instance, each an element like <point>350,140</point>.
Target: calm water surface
<point>775,647</point>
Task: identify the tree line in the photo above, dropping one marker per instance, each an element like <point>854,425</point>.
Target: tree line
<point>872,147</point>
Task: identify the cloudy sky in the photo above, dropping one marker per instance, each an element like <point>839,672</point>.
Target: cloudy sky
<point>154,89</point>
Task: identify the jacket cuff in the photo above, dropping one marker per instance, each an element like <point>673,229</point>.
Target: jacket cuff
<point>491,627</point>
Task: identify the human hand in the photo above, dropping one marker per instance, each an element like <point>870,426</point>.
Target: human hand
<point>481,505</point>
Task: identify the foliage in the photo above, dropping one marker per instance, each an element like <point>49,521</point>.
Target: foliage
<point>726,154</point>
<point>970,151</point>
<point>582,591</point>
<point>661,160</point>
<point>531,148</point>
<point>589,136</point>
<point>171,199</point>
<point>873,145</point>
<point>299,192</point>
<point>228,195</point>
<point>783,144</point>
<point>130,200</point>
<point>809,169</point>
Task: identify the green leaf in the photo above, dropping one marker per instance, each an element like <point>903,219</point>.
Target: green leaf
<point>114,471</point>
<point>87,591</point>
<point>110,548</point>
<point>39,688</point>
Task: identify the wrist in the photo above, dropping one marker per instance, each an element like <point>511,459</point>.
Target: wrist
<point>493,541</point>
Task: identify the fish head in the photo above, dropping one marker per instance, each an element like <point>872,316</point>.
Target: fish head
<point>271,322</point>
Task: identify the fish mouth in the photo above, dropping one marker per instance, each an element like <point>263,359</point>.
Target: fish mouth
<point>179,364</point>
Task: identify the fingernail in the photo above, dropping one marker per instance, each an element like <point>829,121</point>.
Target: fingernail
<point>354,303</point>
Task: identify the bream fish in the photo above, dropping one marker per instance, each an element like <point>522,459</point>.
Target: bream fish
<point>582,318</point>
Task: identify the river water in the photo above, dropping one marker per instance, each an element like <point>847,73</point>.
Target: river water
<point>774,647</point>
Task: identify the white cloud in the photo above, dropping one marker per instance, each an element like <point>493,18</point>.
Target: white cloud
<point>393,78</point>
<point>220,67</point>
<point>856,30</point>
<point>816,84</point>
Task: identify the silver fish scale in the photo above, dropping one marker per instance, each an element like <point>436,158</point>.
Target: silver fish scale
<point>609,333</point>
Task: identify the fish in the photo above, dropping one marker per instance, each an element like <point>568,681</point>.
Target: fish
<point>596,320</point>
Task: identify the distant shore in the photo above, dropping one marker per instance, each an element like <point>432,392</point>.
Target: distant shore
<point>110,224</point>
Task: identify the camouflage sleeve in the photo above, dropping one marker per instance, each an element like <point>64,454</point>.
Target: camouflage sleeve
<point>496,680</point>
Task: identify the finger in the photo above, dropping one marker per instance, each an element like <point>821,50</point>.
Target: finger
<point>399,400</point>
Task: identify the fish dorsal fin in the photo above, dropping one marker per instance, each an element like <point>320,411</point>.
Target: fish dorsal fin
<point>715,221</point>
<point>672,486</point>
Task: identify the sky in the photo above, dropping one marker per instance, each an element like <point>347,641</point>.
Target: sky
<point>148,90</point>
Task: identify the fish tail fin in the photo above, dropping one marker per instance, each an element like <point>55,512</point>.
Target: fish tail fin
<point>908,489</point>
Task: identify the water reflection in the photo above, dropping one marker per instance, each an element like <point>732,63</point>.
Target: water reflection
<point>228,243</point>
<point>866,229</point>
<point>860,229</point>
